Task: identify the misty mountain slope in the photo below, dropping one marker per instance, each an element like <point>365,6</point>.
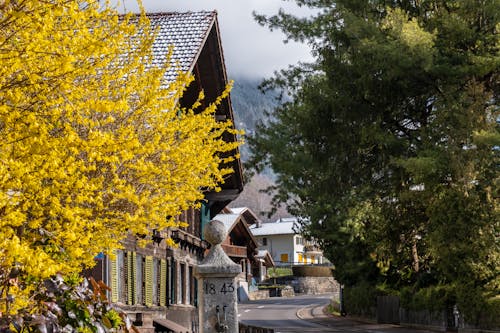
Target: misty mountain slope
<point>250,106</point>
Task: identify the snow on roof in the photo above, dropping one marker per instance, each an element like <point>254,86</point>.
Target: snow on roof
<point>250,216</point>
<point>186,32</point>
<point>238,210</point>
<point>283,226</point>
<point>229,220</point>
<point>266,257</point>
<point>261,253</point>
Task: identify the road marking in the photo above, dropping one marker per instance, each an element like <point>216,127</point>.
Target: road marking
<point>239,314</point>
<point>260,306</point>
<point>247,310</point>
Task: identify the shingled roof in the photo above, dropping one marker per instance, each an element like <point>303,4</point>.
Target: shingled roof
<point>195,39</point>
<point>186,33</point>
<point>283,226</point>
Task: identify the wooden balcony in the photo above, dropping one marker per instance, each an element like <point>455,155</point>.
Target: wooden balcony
<point>235,251</point>
<point>181,236</point>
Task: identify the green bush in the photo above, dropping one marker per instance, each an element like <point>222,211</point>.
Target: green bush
<point>477,308</point>
<point>361,299</point>
<point>334,307</point>
<point>474,305</point>
<point>491,317</point>
<point>433,298</point>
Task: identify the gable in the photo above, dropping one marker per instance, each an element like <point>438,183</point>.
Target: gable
<point>196,43</point>
<point>186,32</point>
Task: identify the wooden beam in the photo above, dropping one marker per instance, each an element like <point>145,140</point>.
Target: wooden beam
<point>223,195</point>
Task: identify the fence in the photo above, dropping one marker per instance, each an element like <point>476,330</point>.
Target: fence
<point>254,329</point>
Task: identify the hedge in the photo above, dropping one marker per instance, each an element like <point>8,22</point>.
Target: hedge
<point>314,271</point>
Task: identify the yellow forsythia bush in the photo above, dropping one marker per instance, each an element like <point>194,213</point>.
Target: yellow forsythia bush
<point>92,144</point>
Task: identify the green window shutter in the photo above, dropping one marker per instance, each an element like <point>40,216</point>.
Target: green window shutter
<point>139,278</point>
<point>163,282</point>
<point>131,277</point>
<point>114,278</point>
<point>204,217</point>
<point>148,281</point>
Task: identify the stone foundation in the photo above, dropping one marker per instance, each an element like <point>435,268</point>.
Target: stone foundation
<point>259,294</point>
<point>311,284</point>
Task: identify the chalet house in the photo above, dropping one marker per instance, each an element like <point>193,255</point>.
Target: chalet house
<point>155,285</point>
<point>285,244</point>
<point>241,246</point>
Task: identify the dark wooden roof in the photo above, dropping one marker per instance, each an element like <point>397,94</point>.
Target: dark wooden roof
<point>195,38</point>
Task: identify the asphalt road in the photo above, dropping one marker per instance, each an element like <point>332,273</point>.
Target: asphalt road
<point>304,314</point>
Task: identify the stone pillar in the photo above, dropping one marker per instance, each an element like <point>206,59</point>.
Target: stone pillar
<point>217,289</point>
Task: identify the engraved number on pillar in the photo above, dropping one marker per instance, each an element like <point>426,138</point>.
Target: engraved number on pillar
<point>225,288</point>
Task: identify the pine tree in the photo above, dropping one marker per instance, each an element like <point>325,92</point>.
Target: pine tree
<point>389,141</point>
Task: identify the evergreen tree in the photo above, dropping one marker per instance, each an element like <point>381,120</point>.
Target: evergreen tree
<point>389,140</point>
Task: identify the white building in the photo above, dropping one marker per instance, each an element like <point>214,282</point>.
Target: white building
<point>285,244</point>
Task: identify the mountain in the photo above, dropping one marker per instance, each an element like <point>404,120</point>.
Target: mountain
<point>250,106</point>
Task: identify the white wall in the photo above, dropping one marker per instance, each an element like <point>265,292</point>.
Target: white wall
<point>280,244</point>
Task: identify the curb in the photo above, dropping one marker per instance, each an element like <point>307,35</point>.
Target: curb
<point>312,312</point>
<point>304,313</point>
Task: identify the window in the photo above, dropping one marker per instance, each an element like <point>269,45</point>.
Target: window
<point>301,257</point>
<point>183,283</point>
<point>131,276</point>
<point>299,240</point>
<point>139,285</point>
<point>264,241</point>
<point>156,281</point>
<point>284,257</point>
<point>173,282</point>
<point>193,290</point>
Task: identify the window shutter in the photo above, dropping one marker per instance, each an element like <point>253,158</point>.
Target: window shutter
<point>139,276</point>
<point>148,281</point>
<point>131,280</point>
<point>163,282</point>
<point>284,257</point>
<point>114,278</point>
<point>204,217</point>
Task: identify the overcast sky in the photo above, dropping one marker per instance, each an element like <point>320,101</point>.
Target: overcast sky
<point>250,50</point>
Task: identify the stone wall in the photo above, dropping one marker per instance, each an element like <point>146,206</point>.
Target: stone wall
<point>258,294</point>
<point>287,292</point>
<point>311,284</point>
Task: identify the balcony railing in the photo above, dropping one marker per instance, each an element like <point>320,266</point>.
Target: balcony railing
<point>235,251</point>
<point>312,248</point>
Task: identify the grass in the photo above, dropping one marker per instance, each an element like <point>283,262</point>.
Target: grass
<point>279,271</point>
<point>333,310</point>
